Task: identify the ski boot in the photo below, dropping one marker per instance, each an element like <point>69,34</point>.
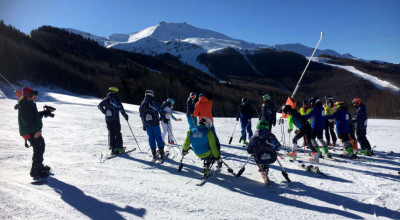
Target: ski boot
<point>264,173</point>
<point>154,153</point>
<point>293,155</point>
<point>119,150</point>
<point>162,153</point>
<point>314,157</point>
<point>348,152</point>
<point>326,152</point>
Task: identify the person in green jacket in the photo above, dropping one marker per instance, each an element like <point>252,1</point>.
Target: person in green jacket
<point>30,128</point>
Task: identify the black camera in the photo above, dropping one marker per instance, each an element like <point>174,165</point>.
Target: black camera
<point>48,111</point>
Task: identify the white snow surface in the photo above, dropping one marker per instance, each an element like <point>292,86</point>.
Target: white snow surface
<point>129,187</point>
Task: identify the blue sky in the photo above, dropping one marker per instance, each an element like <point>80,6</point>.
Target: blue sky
<point>368,29</point>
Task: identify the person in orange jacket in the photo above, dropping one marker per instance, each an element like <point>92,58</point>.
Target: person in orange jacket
<point>203,108</point>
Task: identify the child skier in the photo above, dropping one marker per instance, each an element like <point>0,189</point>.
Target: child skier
<point>318,118</point>
<point>190,104</point>
<point>245,113</point>
<point>342,119</point>
<point>268,111</point>
<point>150,114</point>
<point>30,128</point>
<point>110,107</point>
<point>305,130</point>
<point>263,146</point>
<point>360,121</point>
<point>203,143</point>
<point>167,107</point>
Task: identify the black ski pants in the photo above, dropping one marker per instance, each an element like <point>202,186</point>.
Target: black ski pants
<point>330,131</point>
<point>114,134</point>
<point>38,146</point>
<point>362,139</point>
<point>305,131</point>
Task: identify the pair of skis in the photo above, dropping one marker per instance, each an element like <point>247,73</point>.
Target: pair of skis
<point>108,156</point>
<point>309,168</point>
<point>158,159</point>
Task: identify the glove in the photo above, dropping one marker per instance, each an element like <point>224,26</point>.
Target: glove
<point>126,116</point>
<point>165,121</point>
<point>184,152</point>
<point>289,130</point>
<point>144,128</point>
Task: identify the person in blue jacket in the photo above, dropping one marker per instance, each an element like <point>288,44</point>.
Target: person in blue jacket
<point>263,145</point>
<point>245,113</point>
<point>304,130</point>
<point>190,106</point>
<point>111,107</point>
<point>342,122</point>
<point>203,143</point>
<point>150,113</point>
<point>360,122</point>
<point>318,118</point>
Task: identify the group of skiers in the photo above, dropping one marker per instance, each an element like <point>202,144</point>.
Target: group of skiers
<point>263,145</point>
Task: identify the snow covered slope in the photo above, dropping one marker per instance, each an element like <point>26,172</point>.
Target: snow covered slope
<point>129,187</point>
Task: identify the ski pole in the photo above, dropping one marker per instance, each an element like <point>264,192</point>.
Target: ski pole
<point>283,171</point>
<point>230,140</point>
<point>242,169</point>
<point>229,169</point>
<point>181,163</point>
<point>133,135</point>
<point>7,81</point>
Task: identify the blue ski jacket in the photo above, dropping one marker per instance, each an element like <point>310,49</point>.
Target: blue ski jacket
<point>203,142</point>
<point>245,112</point>
<point>150,112</point>
<point>361,118</point>
<point>342,120</point>
<point>317,116</point>
<point>111,106</point>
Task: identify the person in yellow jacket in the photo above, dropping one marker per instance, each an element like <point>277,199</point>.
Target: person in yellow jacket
<point>329,123</point>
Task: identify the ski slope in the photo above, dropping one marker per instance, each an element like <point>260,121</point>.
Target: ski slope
<point>129,187</point>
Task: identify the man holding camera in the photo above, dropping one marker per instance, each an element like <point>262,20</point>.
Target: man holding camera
<point>30,128</point>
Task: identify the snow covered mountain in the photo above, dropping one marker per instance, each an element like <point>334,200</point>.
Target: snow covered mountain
<point>188,42</point>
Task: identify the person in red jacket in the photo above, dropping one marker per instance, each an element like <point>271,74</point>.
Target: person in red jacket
<point>203,108</point>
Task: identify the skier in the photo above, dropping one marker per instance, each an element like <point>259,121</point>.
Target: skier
<point>360,121</point>
<point>110,107</point>
<point>263,145</point>
<point>342,122</point>
<point>268,111</point>
<point>30,128</point>
<point>190,104</point>
<point>329,123</point>
<point>203,108</point>
<point>305,130</point>
<point>204,144</point>
<point>245,113</point>
<point>305,110</point>
<point>318,118</point>
<point>167,107</point>
<point>150,114</point>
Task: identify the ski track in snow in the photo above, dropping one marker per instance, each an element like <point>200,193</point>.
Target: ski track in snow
<point>130,187</point>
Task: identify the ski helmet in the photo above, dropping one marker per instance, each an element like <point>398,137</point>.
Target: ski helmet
<point>328,97</point>
<point>171,100</point>
<point>356,102</point>
<point>262,124</point>
<point>113,89</point>
<point>206,122</point>
<point>27,91</point>
<point>314,100</point>
<point>149,92</point>
<point>244,101</point>
<point>305,102</point>
<point>266,97</point>
<point>193,95</point>
<point>286,108</point>
<point>201,94</point>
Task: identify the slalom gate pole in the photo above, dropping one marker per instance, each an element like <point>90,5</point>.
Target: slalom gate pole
<point>230,140</point>
<point>133,135</point>
<point>8,81</point>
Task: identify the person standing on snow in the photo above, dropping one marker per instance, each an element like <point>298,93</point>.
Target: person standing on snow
<point>268,111</point>
<point>342,120</point>
<point>318,118</point>
<point>150,114</point>
<point>329,124</point>
<point>203,143</point>
<point>30,128</point>
<point>167,107</point>
<point>303,111</point>
<point>263,145</point>
<point>190,105</point>
<point>203,108</point>
<point>110,107</point>
<point>245,113</point>
<point>305,130</point>
<point>360,121</point>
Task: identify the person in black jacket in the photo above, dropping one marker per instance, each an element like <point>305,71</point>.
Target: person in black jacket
<point>190,104</point>
<point>268,111</point>
<point>110,107</point>
<point>245,113</point>
<point>360,122</point>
